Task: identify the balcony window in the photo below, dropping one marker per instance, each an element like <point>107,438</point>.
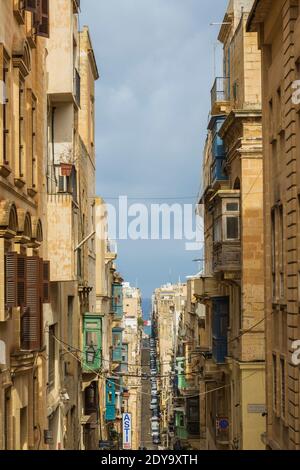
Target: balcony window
<point>232,228</point>
<point>218,149</point>
<point>92,343</point>
<point>125,358</point>
<point>220,325</point>
<point>181,432</point>
<point>110,401</point>
<point>41,18</point>
<point>117,345</point>
<point>117,301</point>
<point>227,221</point>
<point>180,367</point>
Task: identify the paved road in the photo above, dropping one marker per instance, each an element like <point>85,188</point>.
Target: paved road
<point>146,397</point>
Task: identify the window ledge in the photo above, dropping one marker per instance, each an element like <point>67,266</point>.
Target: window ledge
<point>19,182</point>
<point>31,192</point>
<point>5,170</point>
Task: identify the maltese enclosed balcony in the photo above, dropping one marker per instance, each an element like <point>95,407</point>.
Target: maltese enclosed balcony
<point>218,176</point>
<point>226,233</point>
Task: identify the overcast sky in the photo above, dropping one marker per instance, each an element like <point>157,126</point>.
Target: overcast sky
<point>156,60</point>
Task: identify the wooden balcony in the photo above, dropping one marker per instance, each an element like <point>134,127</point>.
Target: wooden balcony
<point>206,286</point>
<point>227,257</point>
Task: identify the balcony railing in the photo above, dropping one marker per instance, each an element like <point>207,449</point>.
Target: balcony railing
<point>77,87</point>
<point>220,91</point>
<point>227,256</point>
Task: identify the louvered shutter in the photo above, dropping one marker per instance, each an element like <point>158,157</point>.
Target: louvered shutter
<point>42,17</point>
<point>21,280</point>
<point>46,282</point>
<point>11,294</point>
<point>25,329</point>
<point>33,302</point>
<point>30,5</point>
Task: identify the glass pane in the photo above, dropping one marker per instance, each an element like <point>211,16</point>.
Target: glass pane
<point>232,228</point>
<point>92,326</point>
<point>232,206</point>
<point>116,340</point>
<point>91,338</point>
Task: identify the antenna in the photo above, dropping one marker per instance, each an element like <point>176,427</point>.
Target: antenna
<point>220,24</point>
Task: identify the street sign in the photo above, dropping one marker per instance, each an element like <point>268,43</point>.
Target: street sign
<point>127,427</point>
<point>259,409</point>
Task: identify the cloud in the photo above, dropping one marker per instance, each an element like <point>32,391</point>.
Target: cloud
<point>156,63</point>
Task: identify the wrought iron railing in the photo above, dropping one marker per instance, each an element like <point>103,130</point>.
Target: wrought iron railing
<point>220,91</point>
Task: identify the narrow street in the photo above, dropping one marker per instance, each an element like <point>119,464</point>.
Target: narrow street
<point>146,438</point>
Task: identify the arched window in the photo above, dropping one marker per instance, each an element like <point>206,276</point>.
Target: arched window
<point>13,219</point>
<point>28,226</point>
<point>237,184</point>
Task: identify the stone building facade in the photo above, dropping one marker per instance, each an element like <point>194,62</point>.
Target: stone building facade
<point>232,287</point>
<point>24,276</point>
<point>278,27</point>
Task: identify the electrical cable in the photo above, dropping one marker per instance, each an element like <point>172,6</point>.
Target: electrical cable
<point>109,380</point>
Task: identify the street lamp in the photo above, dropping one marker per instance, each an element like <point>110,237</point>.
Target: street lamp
<point>90,354</point>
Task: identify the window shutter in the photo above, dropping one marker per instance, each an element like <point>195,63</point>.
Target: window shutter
<point>30,5</point>
<point>33,302</point>
<point>25,329</point>
<point>21,280</point>
<point>42,18</point>
<point>11,294</point>
<point>46,282</point>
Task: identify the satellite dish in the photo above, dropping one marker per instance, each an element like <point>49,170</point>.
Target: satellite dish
<point>2,353</point>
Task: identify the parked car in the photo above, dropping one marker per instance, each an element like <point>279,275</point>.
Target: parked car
<point>154,403</point>
<point>156,440</point>
<point>156,413</point>
<point>155,427</point>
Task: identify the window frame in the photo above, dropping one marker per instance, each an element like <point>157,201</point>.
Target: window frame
<point>220,220</point>
<point>93,324</point>
<point>21,127</point>
<point>5,106</point>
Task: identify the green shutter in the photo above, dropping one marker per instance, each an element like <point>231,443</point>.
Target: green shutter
<point>92,339</point>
